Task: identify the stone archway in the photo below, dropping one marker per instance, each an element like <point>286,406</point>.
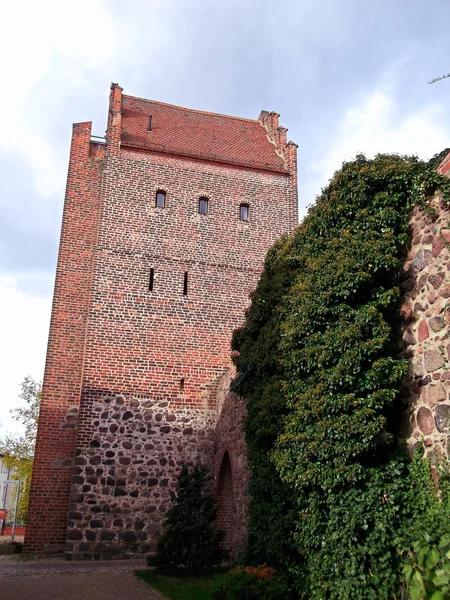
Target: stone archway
<point>225,500</point>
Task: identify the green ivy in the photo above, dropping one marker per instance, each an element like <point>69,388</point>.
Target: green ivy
<point>332,494</point>
<point>427,566</point>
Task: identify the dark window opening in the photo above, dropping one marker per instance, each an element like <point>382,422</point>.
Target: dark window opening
<point>160,199</point>
<point>243,212</point>
<point>149,128</point>
<point>152,277</point>
<point>185,287</point>
<point>203,206</point>
<point>182,383</point>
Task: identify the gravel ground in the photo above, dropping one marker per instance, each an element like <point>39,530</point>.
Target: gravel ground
<point>50,579</point>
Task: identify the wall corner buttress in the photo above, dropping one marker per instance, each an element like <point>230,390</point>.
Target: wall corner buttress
<point>113,130</point>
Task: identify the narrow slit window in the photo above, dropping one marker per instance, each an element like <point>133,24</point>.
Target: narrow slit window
<point>182,384</point>
<point>151,280</point>
<point>160,199</point>
<point>203,206</point>
<point>243,212</point>
<point>185,286</point>
<point>149,126</point>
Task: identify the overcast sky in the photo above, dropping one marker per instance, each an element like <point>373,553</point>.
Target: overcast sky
<point>347,76</point>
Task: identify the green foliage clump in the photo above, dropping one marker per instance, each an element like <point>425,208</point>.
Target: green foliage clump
<point>191,542</point>
<point>427,567</point>
<point>318,362</point>
<point>251,583</point>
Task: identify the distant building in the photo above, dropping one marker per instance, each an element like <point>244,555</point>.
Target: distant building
<point>6,489</point>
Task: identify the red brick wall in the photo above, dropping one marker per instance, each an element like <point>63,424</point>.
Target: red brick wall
<point>50,488</point>
<point>140,344</point>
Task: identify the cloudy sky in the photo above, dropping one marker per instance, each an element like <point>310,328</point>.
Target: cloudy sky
<point>347,76</point>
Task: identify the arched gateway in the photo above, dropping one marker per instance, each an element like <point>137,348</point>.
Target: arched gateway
<point>225,500</point>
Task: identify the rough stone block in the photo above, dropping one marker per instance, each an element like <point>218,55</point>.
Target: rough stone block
<point>442,416</point>
<point>436,323</point>
<point>425,420</point>
<point>433,360</point>
<point>423,332</point>
<point>435,394</point>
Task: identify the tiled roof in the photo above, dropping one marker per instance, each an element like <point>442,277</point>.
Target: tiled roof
<point>197,134</point>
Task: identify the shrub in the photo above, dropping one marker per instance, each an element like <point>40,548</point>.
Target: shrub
<point>251,583</point>
<point>191,542</point>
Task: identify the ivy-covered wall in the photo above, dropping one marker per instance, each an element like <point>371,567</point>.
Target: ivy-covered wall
<point>325,364</point>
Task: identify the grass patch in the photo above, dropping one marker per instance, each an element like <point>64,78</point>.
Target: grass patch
<point>181,588</point>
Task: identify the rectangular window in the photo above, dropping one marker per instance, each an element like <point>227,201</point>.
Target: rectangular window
<point>243,212</point>
<point>151,280</point>
<point>149,127</point>
<point>185,287</point>
<point>160,199</point>
<point>203,206</point>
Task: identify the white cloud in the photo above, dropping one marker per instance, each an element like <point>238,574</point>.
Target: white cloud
<point>36,36</point>
<point>24,323</point>
<point>376,125</point>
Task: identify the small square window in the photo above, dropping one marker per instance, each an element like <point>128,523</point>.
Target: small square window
<point>243,212</point>
<point>203,206</point>
<point>160,199</point>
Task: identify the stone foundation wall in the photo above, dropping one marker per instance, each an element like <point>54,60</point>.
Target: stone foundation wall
<point>124,473</point>
<point>426,310</point>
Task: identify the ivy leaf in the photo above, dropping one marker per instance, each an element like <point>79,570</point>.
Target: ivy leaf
<point>444,541</point>
<point>422,556</point>
<point>440,580</point>
<point>407,572</point>
<point>416,592</point>
<point>432,559</point>
<point>418,586</point>
<point>437,595</point>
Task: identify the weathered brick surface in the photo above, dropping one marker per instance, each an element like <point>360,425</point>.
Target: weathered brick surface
<point>144,367</point>
<point>47,516</point>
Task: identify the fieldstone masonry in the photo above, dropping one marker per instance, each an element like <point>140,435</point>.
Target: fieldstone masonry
<point>426,311</point>
<point>122,479</point>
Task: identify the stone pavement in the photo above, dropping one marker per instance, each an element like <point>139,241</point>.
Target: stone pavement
<point>55,579</point>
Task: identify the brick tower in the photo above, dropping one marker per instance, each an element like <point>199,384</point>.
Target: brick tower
<point>165,227</point>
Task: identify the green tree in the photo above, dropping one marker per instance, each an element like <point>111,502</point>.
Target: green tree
<point>18,450</point>
<point>191,542</point>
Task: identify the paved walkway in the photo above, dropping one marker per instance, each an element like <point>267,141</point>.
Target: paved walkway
<point>53,579</point>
